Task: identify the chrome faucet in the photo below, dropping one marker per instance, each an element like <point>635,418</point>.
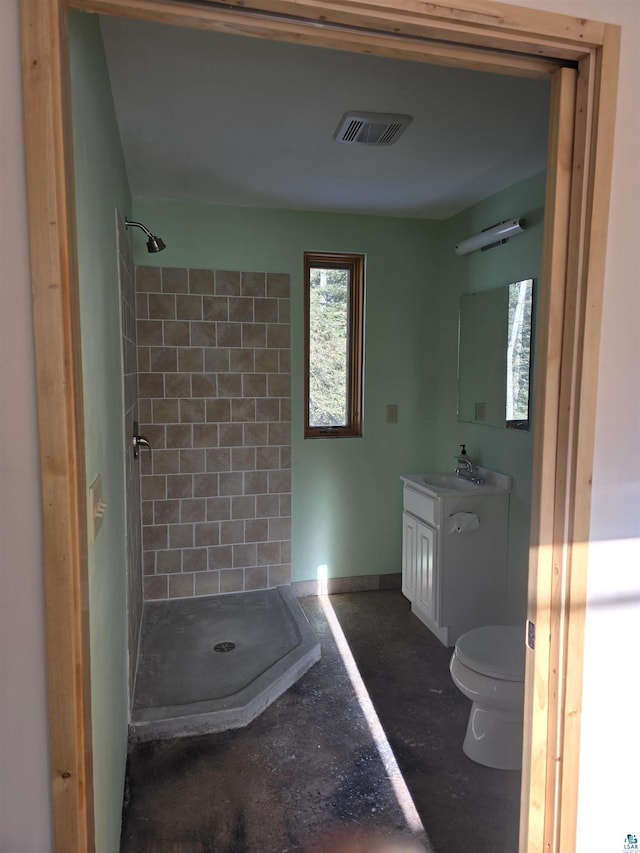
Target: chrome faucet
<point>465,465</point>
<point>467,470</point>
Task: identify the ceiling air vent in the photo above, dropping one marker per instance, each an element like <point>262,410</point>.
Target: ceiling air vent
<point>371,128</point>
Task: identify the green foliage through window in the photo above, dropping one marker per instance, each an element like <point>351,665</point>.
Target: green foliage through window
<point>328,351</point>
<point>519,349</point>
<point>334,292</point>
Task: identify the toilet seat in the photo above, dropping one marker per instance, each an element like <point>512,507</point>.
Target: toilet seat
<point>496,651</point>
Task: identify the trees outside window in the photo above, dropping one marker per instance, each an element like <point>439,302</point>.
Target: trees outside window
<point>519,353</point>
<point>334,297</point>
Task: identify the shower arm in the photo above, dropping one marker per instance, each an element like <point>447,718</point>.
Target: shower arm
<point>129,222</point>
<point>154,243</point>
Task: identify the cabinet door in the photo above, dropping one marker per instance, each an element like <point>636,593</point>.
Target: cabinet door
<point>409,555</point>
<point>427,579</point>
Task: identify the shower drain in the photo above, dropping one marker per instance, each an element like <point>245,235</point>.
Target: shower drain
<point>224,647</point>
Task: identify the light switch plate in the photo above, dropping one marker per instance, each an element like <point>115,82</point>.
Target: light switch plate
<point>392,413</point>
<point>97,507</point>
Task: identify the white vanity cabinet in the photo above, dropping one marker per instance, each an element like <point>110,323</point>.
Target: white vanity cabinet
<point>455,580</point>
<point>418,562</point>
<point>419,582</point>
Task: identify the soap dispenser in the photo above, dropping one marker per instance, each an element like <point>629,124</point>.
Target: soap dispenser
<point>463,450</point>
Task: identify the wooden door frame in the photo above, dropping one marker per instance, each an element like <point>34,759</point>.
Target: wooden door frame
<point>475,34</point>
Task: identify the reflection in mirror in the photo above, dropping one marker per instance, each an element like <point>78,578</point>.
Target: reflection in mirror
<point>494,356</point>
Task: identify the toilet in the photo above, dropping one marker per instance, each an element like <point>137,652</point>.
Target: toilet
<point>487,665</point>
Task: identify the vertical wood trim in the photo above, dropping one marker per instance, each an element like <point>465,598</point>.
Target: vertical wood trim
<point>565,470</point>
<point>558,578</point>
<point>356,343</point>
<point>549,342</point>
<point>58,361</point>
<point>601,97</point>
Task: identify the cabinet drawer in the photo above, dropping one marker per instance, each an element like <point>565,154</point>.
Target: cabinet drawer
<point>421,506</point>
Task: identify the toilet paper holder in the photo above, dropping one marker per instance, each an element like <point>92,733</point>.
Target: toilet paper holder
<point>463,522</point>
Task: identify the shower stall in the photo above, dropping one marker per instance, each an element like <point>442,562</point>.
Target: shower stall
<point>206,375</point>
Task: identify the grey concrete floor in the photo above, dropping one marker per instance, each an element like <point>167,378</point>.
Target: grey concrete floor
<point>308,767</point>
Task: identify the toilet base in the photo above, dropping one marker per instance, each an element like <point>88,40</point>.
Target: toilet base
<point>494,737</point>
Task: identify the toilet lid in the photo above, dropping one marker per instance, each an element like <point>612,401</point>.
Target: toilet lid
<point>494,650</point>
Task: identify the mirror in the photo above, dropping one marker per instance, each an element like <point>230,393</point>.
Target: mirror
<point>494,355</point>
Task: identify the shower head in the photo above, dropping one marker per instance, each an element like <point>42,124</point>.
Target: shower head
<point>154,244</point>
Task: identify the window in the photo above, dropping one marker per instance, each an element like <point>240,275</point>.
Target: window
<point>519,353</point>
<point>334,297</point>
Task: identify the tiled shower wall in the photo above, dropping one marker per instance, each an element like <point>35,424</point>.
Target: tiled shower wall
<point>126,274</point>
<point>214,401</point>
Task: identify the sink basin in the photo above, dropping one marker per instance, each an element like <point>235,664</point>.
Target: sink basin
<point>450,482</point>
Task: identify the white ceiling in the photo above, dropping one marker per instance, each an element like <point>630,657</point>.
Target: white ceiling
<point>241,121</point>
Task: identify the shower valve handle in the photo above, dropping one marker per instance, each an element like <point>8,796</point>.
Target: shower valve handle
<point>138,442</point>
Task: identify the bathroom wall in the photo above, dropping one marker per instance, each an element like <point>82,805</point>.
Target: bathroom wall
<point>101,188</point>
<point>214,386</point>
<point>133,519</point>
<point>504,450</point>
<point>347,497</point>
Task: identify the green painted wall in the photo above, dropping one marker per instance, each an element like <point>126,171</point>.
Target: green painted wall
<point>504,450</point>
<point>346,493</point>
<point>101,186</point>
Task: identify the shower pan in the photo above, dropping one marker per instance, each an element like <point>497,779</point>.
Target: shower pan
<point>215,663</point>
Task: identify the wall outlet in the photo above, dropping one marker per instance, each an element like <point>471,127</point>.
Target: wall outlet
<point>392,413</point>
<point>97,507</point>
